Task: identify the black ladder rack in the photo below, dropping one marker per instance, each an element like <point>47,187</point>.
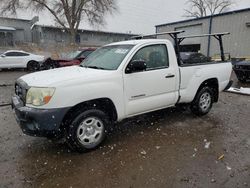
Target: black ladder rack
<point>178,40</point>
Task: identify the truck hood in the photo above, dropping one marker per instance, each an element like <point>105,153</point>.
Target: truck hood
<point>55,77</point>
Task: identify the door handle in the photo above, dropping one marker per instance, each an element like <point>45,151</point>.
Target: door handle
<point>170,76</point>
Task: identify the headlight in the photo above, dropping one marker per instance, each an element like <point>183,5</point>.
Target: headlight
<point>39,96</point>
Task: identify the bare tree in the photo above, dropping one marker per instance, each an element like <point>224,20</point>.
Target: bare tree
<point>201,8</point>
<point>67,13</point>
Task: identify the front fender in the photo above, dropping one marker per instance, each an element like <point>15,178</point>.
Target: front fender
<point>73,94</point>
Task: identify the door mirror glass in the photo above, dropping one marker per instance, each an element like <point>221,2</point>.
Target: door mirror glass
<point>136,66</point>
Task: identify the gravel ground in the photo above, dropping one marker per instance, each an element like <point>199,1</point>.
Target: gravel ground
<point>168,148</point>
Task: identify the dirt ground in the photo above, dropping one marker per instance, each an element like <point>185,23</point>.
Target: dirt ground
<point>168,148</point>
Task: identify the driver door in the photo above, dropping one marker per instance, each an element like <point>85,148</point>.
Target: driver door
<point>10,60</point>
<point>3,61</point>
<point>153,89</point>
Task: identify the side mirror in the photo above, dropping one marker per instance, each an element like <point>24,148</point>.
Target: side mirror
<point>3,55</point>
<point>136,66</point>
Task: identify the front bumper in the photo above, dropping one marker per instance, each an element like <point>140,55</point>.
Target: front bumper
<point>242,73</point>
<point>38,122</point>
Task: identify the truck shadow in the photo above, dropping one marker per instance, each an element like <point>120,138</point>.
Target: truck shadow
<point>166,120</point>
<point>173,130</point>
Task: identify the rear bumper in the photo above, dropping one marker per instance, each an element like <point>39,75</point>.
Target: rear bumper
<point>38,122</point>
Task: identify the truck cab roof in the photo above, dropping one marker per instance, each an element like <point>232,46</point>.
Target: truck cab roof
<point>139,42</point>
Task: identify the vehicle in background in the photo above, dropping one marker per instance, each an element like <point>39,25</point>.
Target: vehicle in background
<point>20,59</point>
<point>242,71</point>
<point>68,59</point>
<point>237,60</point>
<point>193,58</point>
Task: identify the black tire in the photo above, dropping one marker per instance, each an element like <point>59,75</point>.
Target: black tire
<point>52,65</point>
<point>203,102</point>
<point>49,66</point>
<point>79,128</point>
<point>33,66</point>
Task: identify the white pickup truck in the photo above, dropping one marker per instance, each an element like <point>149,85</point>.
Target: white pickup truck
<point>118,81</point>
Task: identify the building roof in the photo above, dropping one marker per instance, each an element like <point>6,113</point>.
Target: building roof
<point>205,17</point>
<point>7,28</point>
<point>8,18</point>
<point>83,30</point>
<point>86,30</point>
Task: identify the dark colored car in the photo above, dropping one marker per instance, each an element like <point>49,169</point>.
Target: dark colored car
<point>68,59</point>
<point>194,58</point>
<point>242,70</point>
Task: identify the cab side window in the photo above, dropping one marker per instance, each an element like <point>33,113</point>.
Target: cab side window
<point>16,54</point>
<point>155,56</point>
<point>11,54</point>
<point>22,54</point>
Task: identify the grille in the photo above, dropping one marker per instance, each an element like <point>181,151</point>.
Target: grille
<point>246,67</point>
<point>20,91</point>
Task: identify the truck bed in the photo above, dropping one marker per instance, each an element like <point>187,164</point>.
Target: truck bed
<point>192,74</point>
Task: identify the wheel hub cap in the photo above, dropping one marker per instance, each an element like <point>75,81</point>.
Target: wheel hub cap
<point>205,101</point>
<point>90,131</point>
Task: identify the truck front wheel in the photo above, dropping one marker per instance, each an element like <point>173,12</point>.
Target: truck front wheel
<point>203,102</point>
<point>87,130</point>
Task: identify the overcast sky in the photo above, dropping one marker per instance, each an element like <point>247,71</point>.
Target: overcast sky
<point>138,16</point>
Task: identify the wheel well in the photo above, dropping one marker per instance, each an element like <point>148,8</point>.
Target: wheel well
<point>104,104</point>
<point>214,85</point>
<point>31,61</point>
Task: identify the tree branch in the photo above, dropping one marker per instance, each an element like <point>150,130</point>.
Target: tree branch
<point>200,8</point>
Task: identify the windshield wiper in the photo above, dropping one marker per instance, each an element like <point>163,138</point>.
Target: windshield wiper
<point>95,67</point>
<point>92,67</point>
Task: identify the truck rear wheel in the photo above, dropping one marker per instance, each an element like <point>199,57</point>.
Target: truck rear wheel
<point>87,130</point>
<point>203,102</point>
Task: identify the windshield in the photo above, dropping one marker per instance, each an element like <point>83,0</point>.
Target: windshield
<point>70,55</point>
<point>108,57</point>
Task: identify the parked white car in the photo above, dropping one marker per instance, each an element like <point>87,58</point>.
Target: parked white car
<point>20,59</point>
<point>118,81</point>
